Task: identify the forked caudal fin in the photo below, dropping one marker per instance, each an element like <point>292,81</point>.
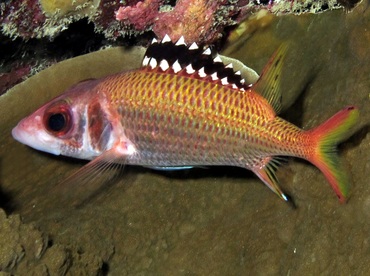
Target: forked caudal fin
<point>327,136</point>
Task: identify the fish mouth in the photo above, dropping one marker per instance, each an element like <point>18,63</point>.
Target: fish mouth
<point>37,141</point>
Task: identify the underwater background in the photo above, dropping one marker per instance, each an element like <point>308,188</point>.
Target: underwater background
<point>219,220</point>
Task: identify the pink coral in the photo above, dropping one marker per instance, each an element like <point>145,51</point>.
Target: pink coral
<point>141,15</point>
<point>196,20</point>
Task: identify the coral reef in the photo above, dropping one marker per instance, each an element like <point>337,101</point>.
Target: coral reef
<point>22,19</point>
<point>16,75</point>
<point>198,20</point>
<point>44,18</point>
<point>201,21</point>
<point>47,18</point>
<point>141,15</point>
<point>62,8</point>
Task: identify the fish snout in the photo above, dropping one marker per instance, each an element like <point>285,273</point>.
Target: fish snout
<point>30,133</point>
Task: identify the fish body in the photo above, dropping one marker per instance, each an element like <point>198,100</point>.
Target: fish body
<point>182,112</point>
<point>207,125</point>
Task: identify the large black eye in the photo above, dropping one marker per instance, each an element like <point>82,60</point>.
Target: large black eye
<point>58,120</point>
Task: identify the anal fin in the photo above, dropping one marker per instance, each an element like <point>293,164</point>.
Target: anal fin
<point>265,170</point>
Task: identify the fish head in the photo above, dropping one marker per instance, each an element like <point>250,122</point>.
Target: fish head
<point>60,127</point>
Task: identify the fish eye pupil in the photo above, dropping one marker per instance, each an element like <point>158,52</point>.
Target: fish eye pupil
<point>57,122</point>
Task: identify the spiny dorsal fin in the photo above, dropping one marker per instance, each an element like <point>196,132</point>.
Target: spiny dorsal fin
<point>194,60</point>
<point>268,85</point>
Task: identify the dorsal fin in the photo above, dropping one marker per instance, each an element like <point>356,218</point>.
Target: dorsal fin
<point>268,85</point>
<point>193,60</point>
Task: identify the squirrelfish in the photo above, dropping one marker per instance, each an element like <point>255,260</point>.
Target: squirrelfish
<point>185,108</point>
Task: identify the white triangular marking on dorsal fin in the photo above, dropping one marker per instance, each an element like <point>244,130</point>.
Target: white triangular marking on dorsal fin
<point>214,76</point>
<point>217,59</point>
<point>193,46</point>
<point>189,69</point>
<point>224,81</point>
<point>201,73</point>
<point>230,65</point>
<point>164,65</point>
<point>154,41</point>
<point>238,73</point>
<point>207,51</point>
<point>153,63</point>
<point>181,41</point>
<point>176,66</point>
<point>242,89</point>
<point>234,86</point>
<point>145,61</point>
<point>242,81</point>
<point>166,38</point>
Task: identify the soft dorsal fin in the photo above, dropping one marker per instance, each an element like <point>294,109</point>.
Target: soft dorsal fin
<point>193,60</point>
<point>268,85</point>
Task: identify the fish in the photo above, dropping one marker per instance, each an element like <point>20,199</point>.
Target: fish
<point>183,108</point>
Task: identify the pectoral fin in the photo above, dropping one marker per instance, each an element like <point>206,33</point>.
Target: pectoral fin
<point>89,179</point>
